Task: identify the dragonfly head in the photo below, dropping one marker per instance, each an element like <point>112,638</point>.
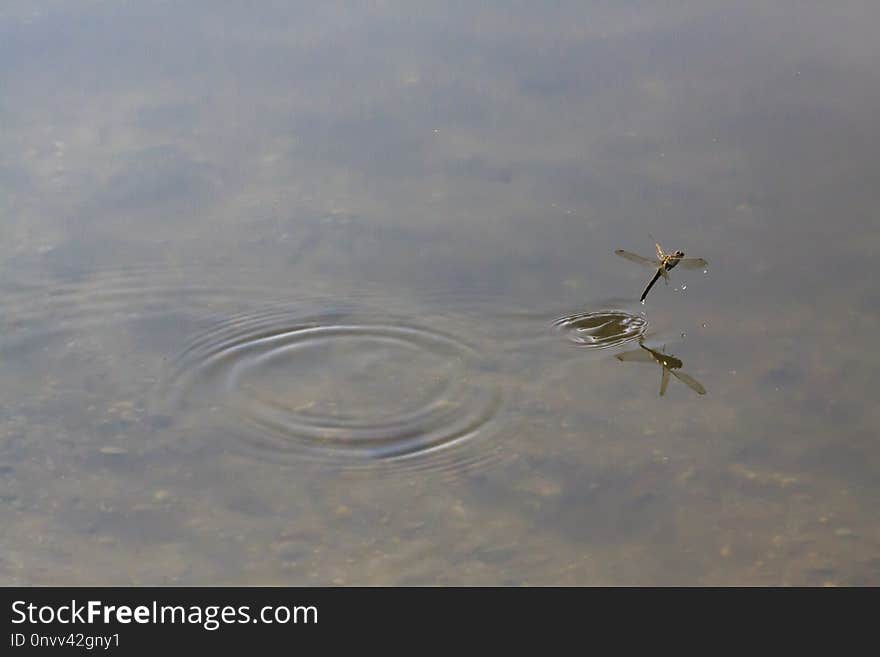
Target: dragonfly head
<point>678,254</point>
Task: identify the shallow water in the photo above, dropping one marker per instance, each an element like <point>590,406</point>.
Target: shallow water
<point>322,295</point>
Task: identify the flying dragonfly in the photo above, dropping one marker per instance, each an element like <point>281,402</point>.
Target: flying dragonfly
<point>669,363</point>
<point>664,262</point>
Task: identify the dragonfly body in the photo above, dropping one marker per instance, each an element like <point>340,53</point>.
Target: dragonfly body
<point>667,262</point>
<point>664,262</point>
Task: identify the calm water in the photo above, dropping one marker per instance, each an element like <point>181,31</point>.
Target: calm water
<point>322,295</point>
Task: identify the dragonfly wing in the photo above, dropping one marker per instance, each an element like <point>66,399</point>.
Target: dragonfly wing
<point>692,383</point>
<point>664,381</point>
<point>635,356</point>
<point>693,263</point>
<point>641,260</point>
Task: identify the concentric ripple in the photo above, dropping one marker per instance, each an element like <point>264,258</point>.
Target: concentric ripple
<point>601,330</point>
<point>346,390</point>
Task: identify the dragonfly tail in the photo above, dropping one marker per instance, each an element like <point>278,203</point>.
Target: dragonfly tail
<point>651,284</point>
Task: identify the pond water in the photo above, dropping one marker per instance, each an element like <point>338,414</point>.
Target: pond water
<point>321,294</point>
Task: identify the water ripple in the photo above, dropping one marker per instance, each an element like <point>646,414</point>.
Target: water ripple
<point>603,329</point>
<point>347,389</point>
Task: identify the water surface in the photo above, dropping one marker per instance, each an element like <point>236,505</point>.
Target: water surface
<point>314,294</point>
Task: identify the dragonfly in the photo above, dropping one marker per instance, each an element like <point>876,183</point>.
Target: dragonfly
<point>669,363</point>
<point>664,262</point>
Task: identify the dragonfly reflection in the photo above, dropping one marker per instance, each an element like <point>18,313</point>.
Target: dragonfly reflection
<point>664,262</point>
<point>669,363</point>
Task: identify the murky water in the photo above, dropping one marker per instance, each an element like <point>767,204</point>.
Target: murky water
<point>314,294</point>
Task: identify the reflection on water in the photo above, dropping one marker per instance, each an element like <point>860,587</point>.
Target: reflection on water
<point>292,297</point>
<point>668,363</point>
